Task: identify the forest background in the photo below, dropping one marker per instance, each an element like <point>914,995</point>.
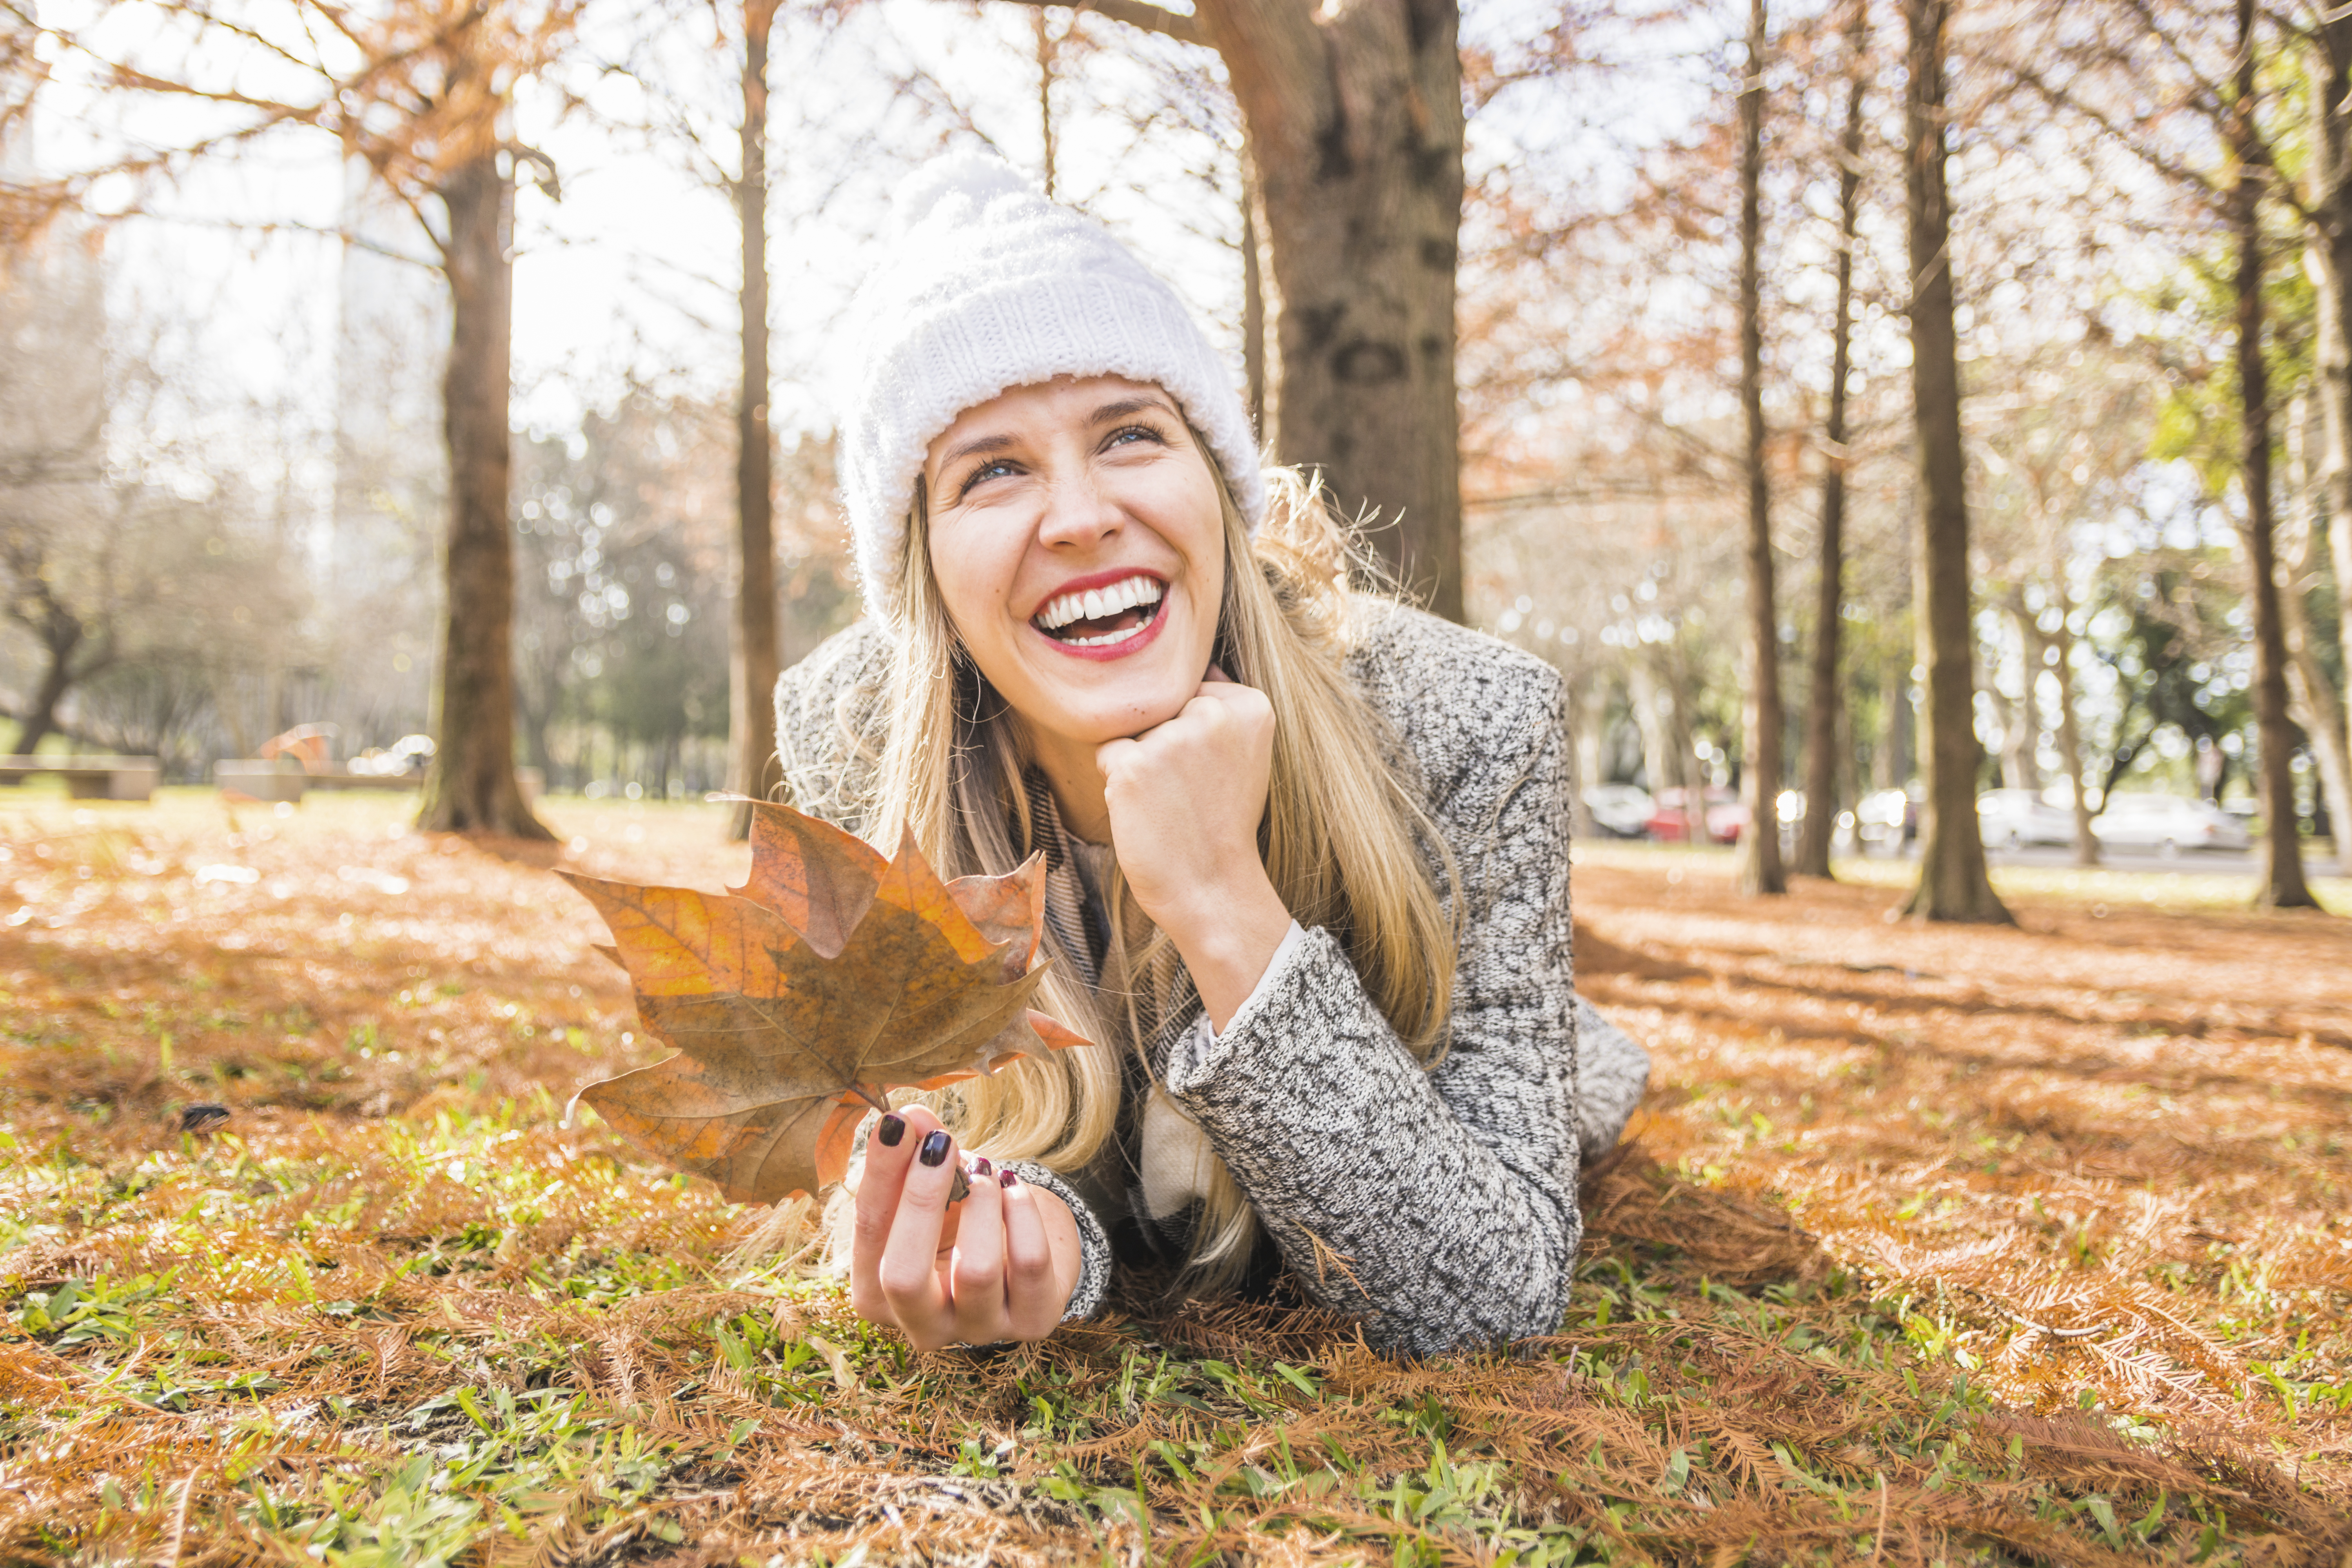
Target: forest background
<point>231,501</point>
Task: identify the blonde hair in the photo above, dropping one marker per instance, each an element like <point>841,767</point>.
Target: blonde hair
<point>1342,838</point>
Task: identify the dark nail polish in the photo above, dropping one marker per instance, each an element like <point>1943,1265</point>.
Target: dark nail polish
<point>934,1150</point>
<point>893,1128</point>
<point>1007,1179</point>
<point>981,1167</point>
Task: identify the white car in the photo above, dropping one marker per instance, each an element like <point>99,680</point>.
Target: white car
<point>1620,810</point>
<point>2167,824</point>
<point>2013,818</point>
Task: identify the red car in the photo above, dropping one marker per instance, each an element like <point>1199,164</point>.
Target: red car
<point>1726,817</point>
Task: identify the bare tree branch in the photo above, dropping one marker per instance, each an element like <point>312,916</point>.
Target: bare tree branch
<point>1140,13</point>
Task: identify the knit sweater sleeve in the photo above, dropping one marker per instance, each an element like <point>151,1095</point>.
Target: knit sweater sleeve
<point>1441,1205</point>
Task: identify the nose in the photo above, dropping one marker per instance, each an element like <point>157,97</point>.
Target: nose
<point>1078,512</point>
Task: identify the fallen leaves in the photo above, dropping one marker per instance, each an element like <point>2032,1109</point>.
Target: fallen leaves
<point>797,1001</point>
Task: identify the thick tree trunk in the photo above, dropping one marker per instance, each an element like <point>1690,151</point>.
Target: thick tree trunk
<point>1759,870</point>
<point>754,660</point>
<point>2282,885</point>
<point>1822,714</point>
<point>1953,883</point>
<point>1353,109</point>
<point>2313,701</point>
<point>2330,251</point>
<point>472,785</point>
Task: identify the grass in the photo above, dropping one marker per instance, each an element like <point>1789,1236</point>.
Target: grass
<point>1935,1247</point>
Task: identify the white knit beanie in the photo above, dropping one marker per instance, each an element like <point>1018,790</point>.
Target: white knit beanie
<point>988,286</point>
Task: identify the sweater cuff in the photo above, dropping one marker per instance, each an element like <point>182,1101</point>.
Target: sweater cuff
<point>1199,1041</point>
<point>1094,1242</point>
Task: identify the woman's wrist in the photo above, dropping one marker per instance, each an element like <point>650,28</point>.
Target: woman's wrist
<point>1227,936</point>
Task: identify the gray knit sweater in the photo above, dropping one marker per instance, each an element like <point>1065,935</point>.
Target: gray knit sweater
<point>1439,1204</point>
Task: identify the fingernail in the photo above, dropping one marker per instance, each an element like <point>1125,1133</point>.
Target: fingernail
<point>981,1167</point>
<point>935,1149</point>
<point>893,1128</point>
<point>1007,1179</point>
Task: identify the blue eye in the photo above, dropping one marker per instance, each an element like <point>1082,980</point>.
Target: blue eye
<point>986,471</point>
<point>1143,432</point>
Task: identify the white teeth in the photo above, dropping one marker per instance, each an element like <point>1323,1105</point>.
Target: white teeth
<point>1096,602</point>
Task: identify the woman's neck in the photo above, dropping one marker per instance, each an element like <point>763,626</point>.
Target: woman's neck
<point>1077,781</point>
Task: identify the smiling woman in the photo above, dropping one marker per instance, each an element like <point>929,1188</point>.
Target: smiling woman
<point>1305,848</point>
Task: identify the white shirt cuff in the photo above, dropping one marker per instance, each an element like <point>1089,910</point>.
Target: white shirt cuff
<point>1291,942</point>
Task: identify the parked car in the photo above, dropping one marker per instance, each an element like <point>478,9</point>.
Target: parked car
<point>2013,818</point>
<point>2167,824</point>
<point>1724,815</point>
<point>1887,816</point>
<point>1620,810</point>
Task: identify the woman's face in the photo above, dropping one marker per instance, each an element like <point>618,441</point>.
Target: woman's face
<point>1078,545</point>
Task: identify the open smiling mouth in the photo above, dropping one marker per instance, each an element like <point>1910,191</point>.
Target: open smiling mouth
<point>1101,617</point>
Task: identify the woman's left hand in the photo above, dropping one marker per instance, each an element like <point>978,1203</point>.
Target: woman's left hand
<point>1185,801</point>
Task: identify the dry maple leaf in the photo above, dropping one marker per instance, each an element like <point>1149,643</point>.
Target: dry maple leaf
<point>796,1001</point>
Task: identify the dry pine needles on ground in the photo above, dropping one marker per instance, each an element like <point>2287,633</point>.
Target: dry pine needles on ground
<point>1936,1246</point>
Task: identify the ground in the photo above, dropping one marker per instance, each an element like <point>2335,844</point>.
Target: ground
<point>1932,1244</point>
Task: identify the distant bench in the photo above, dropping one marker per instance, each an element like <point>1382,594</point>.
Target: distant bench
<point>91,778</point>
<point>271,781</point>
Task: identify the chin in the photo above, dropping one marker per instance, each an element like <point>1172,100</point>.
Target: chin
<point>1096,716</point>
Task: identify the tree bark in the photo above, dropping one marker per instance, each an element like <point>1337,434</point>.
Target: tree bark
<point>2330,250</point>
<point>39,720</point>
<point>1758,869</point>
<point>1353,111</point>
<point>754,660</point>
<point>2282,885</point>
<point>472,785</point>
<point>2313,701</point>
<point>1253,301</point>
<point>1822,712</point>
<point>2070,726</point>
<point>1953,883</point>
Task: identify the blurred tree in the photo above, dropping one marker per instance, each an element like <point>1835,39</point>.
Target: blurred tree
<point>2324,32</point>
<point>753,657</point>
<point>2059,445</point>
<point>1760,869</point>
<point>1953,883</point>
<point>1823,746</point>
<point>2282,884</point>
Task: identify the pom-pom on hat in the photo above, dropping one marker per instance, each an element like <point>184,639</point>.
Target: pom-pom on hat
<point>989,286</point>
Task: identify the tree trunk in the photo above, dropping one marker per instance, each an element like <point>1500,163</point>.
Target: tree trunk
<point>39,720</point>
<point>2313,701</point>
<point>754,661</point>
<point>1044,95</point>
<point>1760,869</point>
<point>2020,736</point>
<point>2070,727</point>
<point>1253,301</point>
<point>2330,250</point>
<point>1828,609</point>
<point>472,785</point>
<point>1353,111</point>
<point>2282,885</point>
<point>1953,884</point>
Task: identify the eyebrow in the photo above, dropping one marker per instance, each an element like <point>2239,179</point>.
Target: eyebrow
<point>974,449</point>
<point>1127,405</point>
